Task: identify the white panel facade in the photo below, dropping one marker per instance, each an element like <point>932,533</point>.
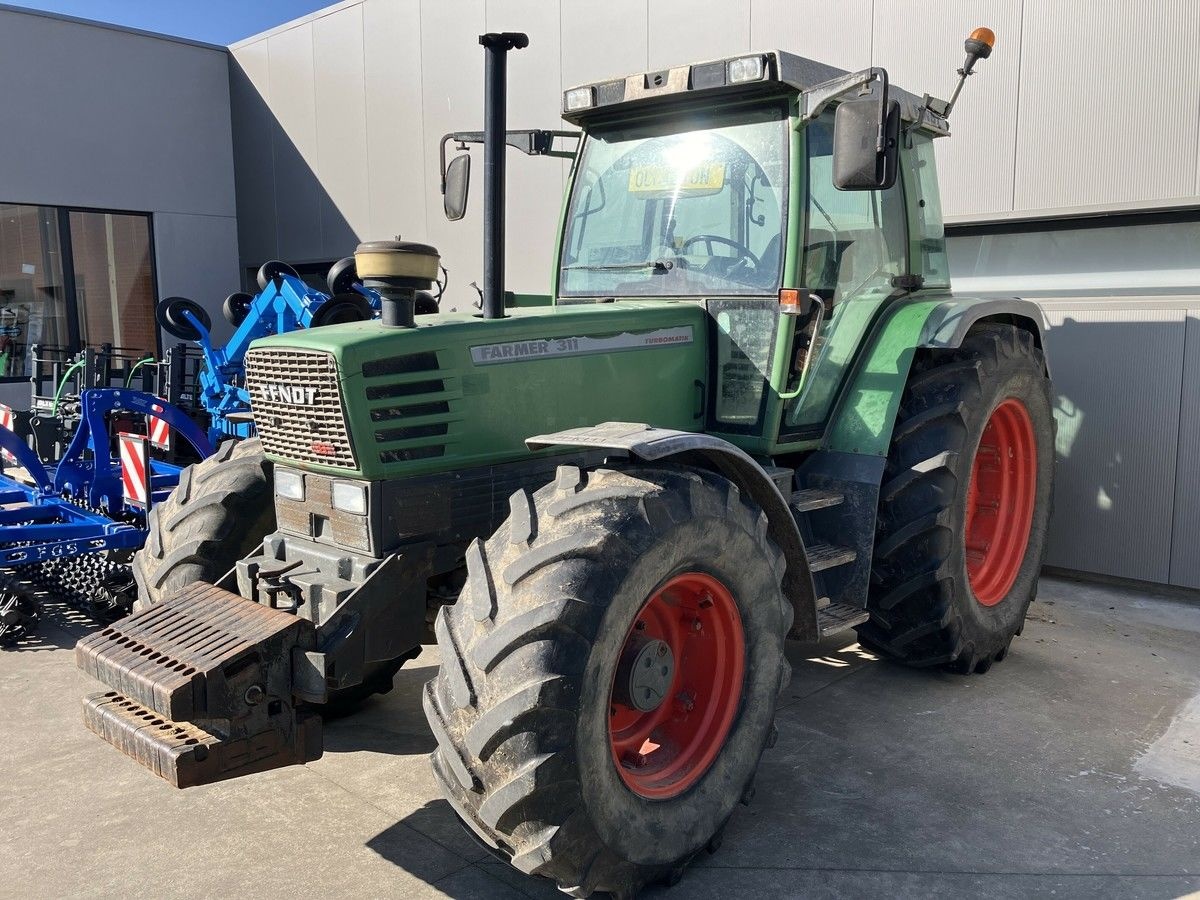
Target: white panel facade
<point>399,152</point>
<point>293,104</point>
<point>452,100</point>
<point>682,31</point>
<point>623,47</point>
<point>253,151</point>
<point>341,106</point>
<point>1056,119</point>
<point>1108,103</point>
<point>835,33</point>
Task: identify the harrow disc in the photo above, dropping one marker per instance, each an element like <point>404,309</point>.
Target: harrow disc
<point>18,616</point>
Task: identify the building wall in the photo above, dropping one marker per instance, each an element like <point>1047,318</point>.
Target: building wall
<point>337,118</point>
<point>102,117</point>
<point>337,115</point>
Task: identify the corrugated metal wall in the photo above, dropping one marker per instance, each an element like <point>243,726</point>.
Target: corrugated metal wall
<point>338,114</point>
<point>337,118</point>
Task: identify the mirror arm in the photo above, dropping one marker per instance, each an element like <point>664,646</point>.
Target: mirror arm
<point>819,96</point>
<point>446,138</point>
<point>530,141</point>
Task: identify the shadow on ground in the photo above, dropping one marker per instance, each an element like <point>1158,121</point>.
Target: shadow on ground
<point>391,723</point>
<point>60,626</point>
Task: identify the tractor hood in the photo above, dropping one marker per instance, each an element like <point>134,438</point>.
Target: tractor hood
<point>370,402</point>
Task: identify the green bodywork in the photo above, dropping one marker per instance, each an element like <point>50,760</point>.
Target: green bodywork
<point>491,407</point>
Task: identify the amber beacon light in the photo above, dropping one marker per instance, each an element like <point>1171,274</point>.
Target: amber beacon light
<point>979,46</point>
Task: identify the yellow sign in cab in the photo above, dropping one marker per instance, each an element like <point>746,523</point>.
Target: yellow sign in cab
<point>707,178</point>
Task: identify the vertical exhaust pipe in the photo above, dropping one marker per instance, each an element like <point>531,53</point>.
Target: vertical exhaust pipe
<point>495,87</point>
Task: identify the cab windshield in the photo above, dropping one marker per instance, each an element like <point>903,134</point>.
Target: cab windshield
<point>692,208</point>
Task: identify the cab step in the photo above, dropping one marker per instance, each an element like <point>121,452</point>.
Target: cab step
<point>839,617</point>
<point>822,556</point>
<point>810,499</point>
<point>201,687</point>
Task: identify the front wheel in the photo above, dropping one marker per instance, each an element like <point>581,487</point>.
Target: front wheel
<point>609,674</point>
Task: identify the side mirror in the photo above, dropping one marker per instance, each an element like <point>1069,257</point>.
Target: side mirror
<point>859,128</point>
<point>458,181</point>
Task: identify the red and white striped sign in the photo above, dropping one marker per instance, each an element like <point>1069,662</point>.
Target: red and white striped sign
<point>160,432</point>
<point>135,466</point>
<point>6,421</point>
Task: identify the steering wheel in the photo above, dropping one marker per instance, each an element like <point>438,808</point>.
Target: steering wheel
<point>743,252</point>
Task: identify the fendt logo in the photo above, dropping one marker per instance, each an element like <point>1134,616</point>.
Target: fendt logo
<point>297,395</point>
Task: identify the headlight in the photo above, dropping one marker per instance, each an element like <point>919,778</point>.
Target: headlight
<point>349,496</point>
<point>747,68</point>
<point>579,98</point>
<point>289,484</point>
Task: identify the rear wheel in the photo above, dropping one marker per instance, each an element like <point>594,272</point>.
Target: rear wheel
<point>609,674</point>
<point>964,505</point>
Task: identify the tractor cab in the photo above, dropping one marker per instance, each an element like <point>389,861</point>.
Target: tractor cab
<point>743,185</point>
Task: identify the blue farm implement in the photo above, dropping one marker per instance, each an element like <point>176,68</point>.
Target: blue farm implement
<point>69,528</point>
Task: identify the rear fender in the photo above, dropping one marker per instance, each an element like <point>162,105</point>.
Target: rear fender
<point>661,444</point>
<point>866,411</point>
<point>951,320</point>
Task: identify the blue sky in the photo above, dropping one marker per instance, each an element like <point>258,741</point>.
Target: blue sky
<point>214,21</point>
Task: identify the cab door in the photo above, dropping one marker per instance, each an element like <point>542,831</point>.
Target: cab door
<point>854,243</point>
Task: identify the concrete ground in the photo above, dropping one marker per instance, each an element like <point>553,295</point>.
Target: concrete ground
<point>1071,770</point>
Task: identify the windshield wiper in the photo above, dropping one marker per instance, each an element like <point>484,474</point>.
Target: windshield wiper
<point>658,265</point>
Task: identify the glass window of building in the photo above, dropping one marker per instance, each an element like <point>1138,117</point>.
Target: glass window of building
<point>73,278</point>
<point>114,285</point>
<point>33,301</point>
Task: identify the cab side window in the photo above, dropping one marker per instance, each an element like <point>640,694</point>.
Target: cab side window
<point>929,234</point>
<point>853,239</point>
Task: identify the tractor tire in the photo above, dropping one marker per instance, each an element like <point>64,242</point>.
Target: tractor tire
<point>221,510</point>
<point>964,505</point>
<point>542,710</point>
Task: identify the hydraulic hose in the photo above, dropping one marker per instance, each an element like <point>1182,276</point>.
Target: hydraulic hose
<point>63,383</point>
<point>137,365</point>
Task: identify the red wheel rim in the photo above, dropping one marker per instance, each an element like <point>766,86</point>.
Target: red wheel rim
<point>661,752</point>
<point>1000,501</point>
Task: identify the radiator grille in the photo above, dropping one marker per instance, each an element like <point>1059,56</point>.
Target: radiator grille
<point>294,424</point>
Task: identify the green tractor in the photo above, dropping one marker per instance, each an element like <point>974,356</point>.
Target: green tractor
<point>751,410</point>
